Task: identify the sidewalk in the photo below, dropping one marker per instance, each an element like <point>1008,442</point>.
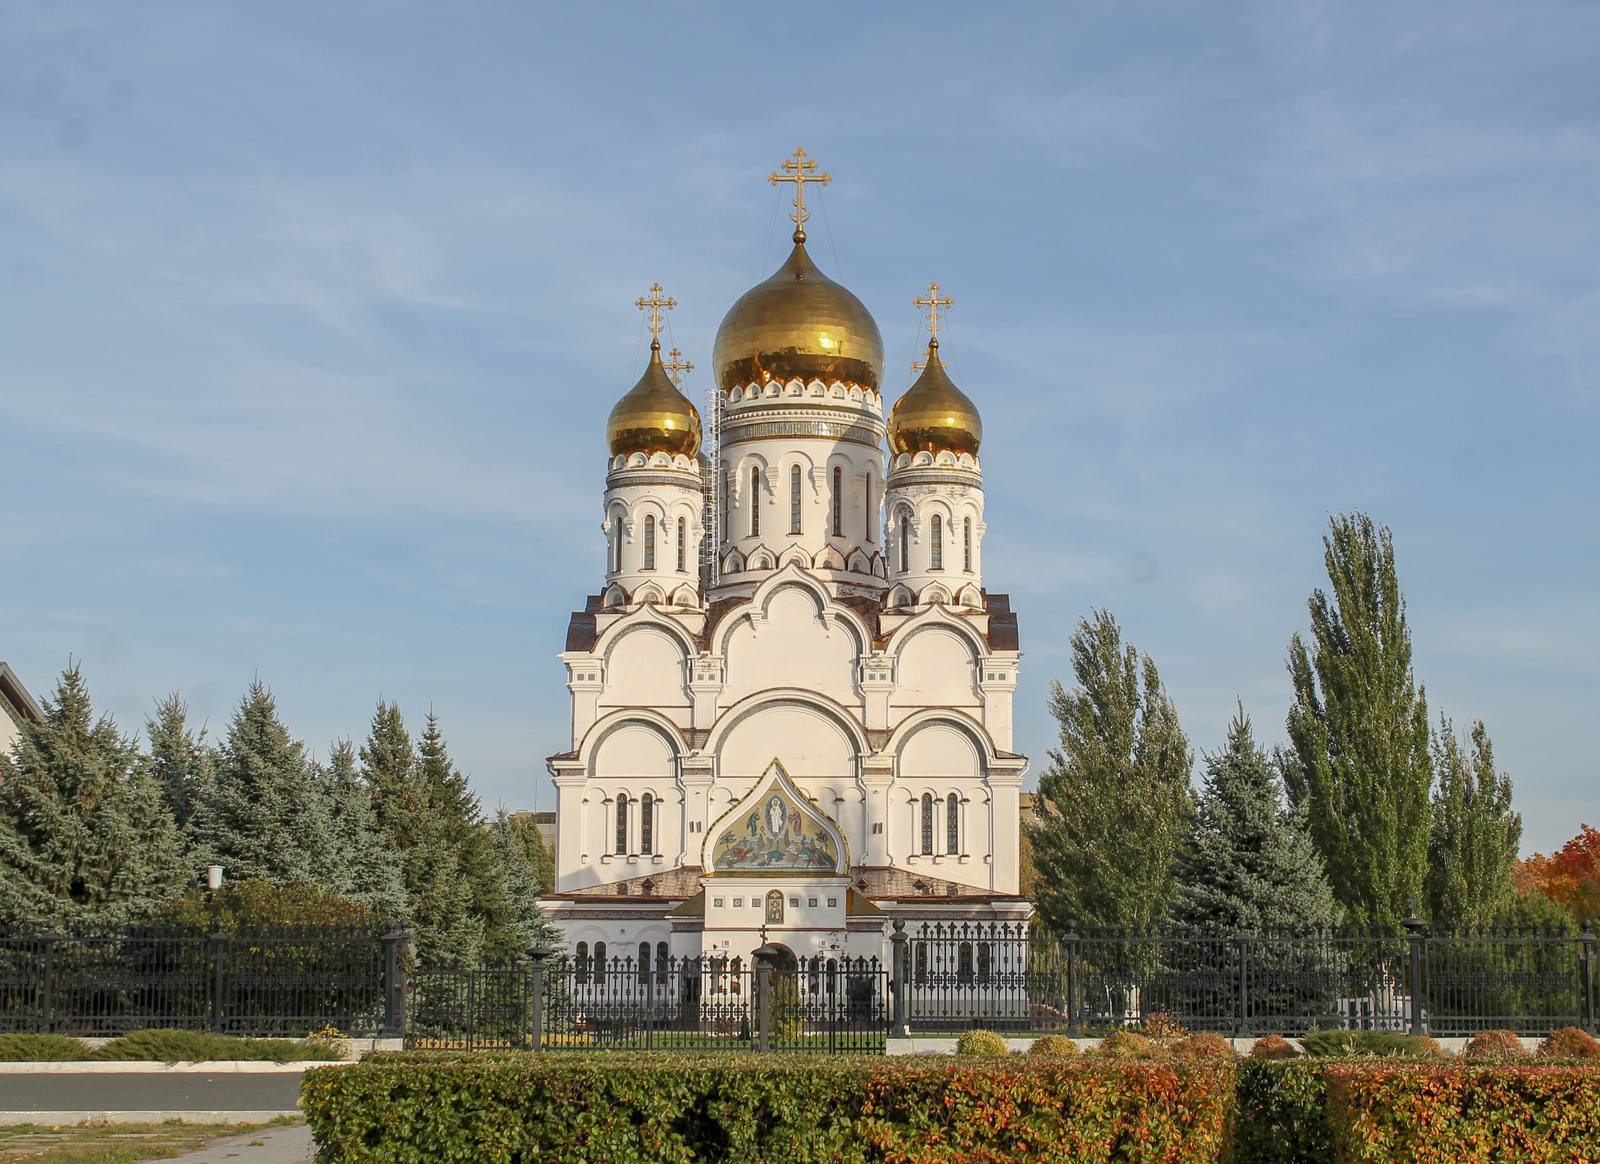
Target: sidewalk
<point>268,1146</point>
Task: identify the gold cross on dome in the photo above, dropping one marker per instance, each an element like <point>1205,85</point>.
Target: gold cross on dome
<point>677,366</point>
<point>655,305</point>
<point>932,302</point>
<point>799,169</point>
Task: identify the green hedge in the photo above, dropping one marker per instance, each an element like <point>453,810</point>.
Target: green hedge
<point>776,1109</point>
<point>172,1046</point>
<point>633,1109</point>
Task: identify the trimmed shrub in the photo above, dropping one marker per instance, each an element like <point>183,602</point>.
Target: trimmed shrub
<point>1424,1047</point>
<point>1330,1043</point>
<point>1055,1047</point>
<point>1569,1043</point>
<point>1161,1027</point>
<point>1495,1045</point>
<point>41,1049</point>
<point>1127,1045</point>
<point>1281,1115</point>
<point>409,1108</point>
<point>1448,1114</point>
<point>1205,1045</point>
<point>1273,1047</point>
<point>981,1043</point>
<point>173,1046</point>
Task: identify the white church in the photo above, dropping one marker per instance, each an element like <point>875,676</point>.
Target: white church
<point>792,699</point>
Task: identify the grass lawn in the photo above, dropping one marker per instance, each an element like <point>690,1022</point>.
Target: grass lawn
<point>113,1143</point>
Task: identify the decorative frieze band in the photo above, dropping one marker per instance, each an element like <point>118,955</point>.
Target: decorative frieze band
<point>826,429</point>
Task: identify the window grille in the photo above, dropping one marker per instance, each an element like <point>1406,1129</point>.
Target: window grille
<point>683,543</point>
<point>838,502</point>
<point>927,824</point>
<point>966,545</point>
<point>905,540</point>
<point>647,825</point>
<point>794,499</point>
<point>649,541</point>
<point>952,825</point>
<point>936,544</point>
<point>622,824</point>
<point>755,502</point>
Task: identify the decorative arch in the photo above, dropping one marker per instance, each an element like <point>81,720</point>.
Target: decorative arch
<point>793,576</point>
<point>948,718</point>
<point>774,831</point>
<point>780,697</point>
<point>609,725</point>
<point>937,617</point>
<point>640,620</point>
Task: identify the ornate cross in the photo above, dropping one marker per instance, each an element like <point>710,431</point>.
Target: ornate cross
<point>932,302</point>
<point>677,366</point>
<point>799,169</point>
<point>655,305</point>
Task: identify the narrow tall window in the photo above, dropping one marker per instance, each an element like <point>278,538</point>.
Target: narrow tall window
<point>580,963</point>
<point>663,954</point>
<point>838,502</point>
<point>683,542</point>
<point>649,541</point>
<point>755,502</point>
<point>872,517</point>
<point>952,825</point>
<point>622,824</point>
<point>964,963</point>
<point>966,544</point>
<point>600,963</point>
<point>616,542</point>
<point>644,963</point>
<point>794,499</point>
<point>647,825</point>
<point>984,961</point>
<point>905,541</point>
<point>936,544</point>
<point>927,824</point>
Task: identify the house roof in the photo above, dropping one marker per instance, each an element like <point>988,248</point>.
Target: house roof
<point>14,698</point>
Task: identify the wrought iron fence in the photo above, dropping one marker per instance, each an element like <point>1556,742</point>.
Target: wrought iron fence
<point>659,1003</point>
<point>266,981</point>
<point>1451,983</point>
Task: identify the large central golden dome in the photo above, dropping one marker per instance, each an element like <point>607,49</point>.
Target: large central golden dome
<point>798,324</point>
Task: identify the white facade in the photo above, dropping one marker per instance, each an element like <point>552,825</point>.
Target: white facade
<point>846,654</point>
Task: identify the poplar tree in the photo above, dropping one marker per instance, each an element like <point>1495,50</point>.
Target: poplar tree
<point>1113,803</point>
<point>84,833</point>
<point>1359,765</point>
<point>1475,835</point>
<point>264,818</point>
<point>179,761</point>
<point>1248,863</point>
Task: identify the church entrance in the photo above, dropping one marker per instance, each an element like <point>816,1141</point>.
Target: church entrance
<point>784,963</point>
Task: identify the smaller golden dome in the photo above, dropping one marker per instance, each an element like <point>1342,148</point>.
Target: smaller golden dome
<point>654,417</point>
<point>935,415</point>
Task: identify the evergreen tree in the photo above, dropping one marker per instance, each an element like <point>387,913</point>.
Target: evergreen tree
<point>179,761</point>
<point>265,818</point>
<point>1359,766</point>
<point>412,807</point>
<point>366,870</point>
<point>83,830</point>
<point>1249,864</point>
<point>538,857</point>
<point>1475,835</point>
<point>1113,803</point>
<point>462,829</point>
<point>516,857</point>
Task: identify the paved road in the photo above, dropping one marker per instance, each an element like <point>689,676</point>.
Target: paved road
<point>273,1146</point>
<point>174,1092</point>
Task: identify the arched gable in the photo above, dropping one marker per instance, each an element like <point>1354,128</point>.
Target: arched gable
<point>639,761</point>
<point>801,721</point>
<point>775,830</point>
<point>941,744</point>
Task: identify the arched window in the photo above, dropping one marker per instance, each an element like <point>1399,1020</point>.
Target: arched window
<point>622,824</point>
<point>833,976</point>
<point>755,502</point>
<point>734,974</point>
<point>985,961</point>
<point>580,963</point>
<point>647,825</point>
<point>814,977</point>
<point>600,963</point>
<point>794,499</point>
<point>644,963</point>
<point>905,540</point>
<point>616,542</point>
<point>663,956</point>
<point>838,502</point>
<point>921,968</point>
<point>927,824</point>
<point>964,963</point>
<point>683,544</point>
<point>872,518</point>
<point>952,825</point>
<point>966,544</point>
<point>649,541</point>
<point>935,544</point>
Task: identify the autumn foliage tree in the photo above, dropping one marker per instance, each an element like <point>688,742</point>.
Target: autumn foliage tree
<point>1570,876</point>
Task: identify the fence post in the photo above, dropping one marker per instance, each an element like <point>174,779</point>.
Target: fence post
<point>48,940</point>
<point>1242,1027</point>
<point>900,1018</point>
<point>1586,973</point>
<point>1074,1016</point>
<point>395,940</point>
<point>1414,939</point>
<point>761,965</point>
<point>219,959</point>
<point>538,955</point>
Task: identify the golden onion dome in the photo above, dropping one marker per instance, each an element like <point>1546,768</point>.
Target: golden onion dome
<point>798,324</point>
<point>935,415</point>
<point>654,417</point>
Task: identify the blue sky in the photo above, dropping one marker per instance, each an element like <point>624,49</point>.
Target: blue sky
<point>311,316</point>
